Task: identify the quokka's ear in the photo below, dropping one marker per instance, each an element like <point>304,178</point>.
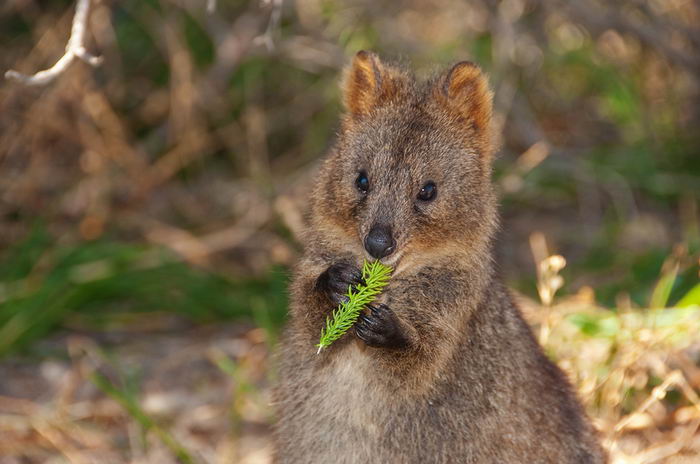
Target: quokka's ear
<point>465,92</point>
<point>369,83</point>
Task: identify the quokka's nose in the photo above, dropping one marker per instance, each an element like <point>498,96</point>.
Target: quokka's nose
<point>379,242</point>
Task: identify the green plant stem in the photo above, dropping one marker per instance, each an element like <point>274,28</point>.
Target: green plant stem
<point>376,277</point>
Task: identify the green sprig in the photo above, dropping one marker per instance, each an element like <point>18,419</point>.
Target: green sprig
<point>376,277</point>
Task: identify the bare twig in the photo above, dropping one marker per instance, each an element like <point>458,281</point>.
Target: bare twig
<point>74,49</point>
<point>275,16</point>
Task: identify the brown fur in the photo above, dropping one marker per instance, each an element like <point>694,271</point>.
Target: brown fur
<point>472,385</point>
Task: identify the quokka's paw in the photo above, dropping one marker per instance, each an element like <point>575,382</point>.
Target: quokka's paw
<point>380,328</point>
<point>335,281</point>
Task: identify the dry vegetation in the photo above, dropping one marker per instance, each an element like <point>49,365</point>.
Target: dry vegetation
<point>148,209</point>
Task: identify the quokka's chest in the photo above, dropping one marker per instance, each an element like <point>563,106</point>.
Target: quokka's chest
<point>345,390</point>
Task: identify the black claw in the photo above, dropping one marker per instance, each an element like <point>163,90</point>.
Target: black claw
<point>366,321</point>
<point>357,278</point>
<point>361,334</point>
<point>380,310</point>
<point>374,312</point>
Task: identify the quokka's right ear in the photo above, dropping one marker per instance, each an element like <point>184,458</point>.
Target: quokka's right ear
<point>369,84</point>
<point>464,90</point>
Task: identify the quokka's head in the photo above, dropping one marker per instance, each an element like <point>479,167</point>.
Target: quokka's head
<point>410,173</point>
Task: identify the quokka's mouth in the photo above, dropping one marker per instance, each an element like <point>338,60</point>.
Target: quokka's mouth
<point>392,260</point>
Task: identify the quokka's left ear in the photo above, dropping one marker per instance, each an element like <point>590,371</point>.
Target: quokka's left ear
<point>464,92</point>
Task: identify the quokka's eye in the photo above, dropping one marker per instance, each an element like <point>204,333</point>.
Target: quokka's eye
<point>362,182</point>
<point>428,192</point>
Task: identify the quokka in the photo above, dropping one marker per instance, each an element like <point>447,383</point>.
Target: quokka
<point>443,369</point>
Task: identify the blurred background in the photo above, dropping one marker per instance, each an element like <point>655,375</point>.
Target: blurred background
<point>150,208</point>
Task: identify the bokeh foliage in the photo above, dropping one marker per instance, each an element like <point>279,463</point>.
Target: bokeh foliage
<point>167,186</point>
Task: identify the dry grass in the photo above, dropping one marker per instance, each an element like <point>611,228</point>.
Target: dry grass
<point>624,364</point>
<point>197,395</point>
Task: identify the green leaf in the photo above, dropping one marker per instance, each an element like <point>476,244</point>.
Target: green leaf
<point>198,41</point>
<point>376,276</point>
<point>692,298</point>
<point>595,326</point>
<point>662,291</point>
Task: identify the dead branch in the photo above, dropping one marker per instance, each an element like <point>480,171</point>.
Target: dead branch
<point>275,16</point>
<point>74,49</point>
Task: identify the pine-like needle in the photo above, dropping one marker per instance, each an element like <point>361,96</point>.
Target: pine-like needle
<point>376,277</point>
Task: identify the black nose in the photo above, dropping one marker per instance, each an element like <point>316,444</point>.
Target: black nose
<point>379,242</point>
